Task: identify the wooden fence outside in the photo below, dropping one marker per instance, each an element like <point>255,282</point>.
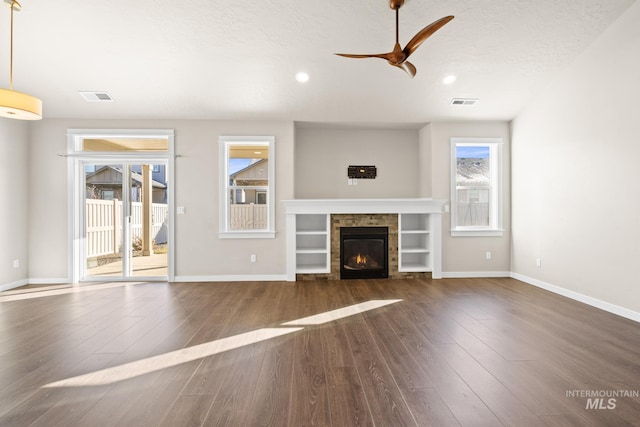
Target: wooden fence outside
<point>103,224</point>
<point>250,216</point>
<point>473,214</point>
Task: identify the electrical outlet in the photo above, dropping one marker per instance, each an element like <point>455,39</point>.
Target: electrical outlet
<point>180,210</point>
<point>488,255</point>
<point>254,258</point>
<point>16,263</point>
<point>538,262</point>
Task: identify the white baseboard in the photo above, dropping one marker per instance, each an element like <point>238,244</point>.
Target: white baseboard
<point>594,302</point>
<point>233,278</point>
<point>50,281</point>
<point>25,282</point>
<point>473,274</point>
<point>14,285</point>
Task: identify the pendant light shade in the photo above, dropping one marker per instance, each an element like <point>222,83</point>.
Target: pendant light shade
<point>18,105</point>
<point>13,104</point>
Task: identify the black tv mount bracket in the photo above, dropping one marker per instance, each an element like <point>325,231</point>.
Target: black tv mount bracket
<point>362,172</point>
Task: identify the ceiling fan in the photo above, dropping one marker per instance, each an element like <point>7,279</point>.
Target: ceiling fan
<point>398,56</point>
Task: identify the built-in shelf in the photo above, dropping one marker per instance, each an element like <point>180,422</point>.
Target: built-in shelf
<point>414,242</point>
<point>312,243</point>
<point>309,232</point>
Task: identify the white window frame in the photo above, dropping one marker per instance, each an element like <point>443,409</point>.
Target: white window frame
<point>495,227</point>
<point>75,158</point>
<point>225,232</point>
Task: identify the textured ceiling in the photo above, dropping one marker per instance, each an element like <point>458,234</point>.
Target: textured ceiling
<point>209,59</point>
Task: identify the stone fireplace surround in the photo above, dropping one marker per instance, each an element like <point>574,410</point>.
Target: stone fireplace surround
<point>363,212</point>
<point>360,220</point>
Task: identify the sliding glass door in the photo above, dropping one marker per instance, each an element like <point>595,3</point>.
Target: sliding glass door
<point>125,220</point>
<point>120,199</point>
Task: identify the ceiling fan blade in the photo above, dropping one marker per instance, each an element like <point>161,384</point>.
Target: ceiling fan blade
<point>425,33</point>
<point>408,67</point>
<point>375,55</point>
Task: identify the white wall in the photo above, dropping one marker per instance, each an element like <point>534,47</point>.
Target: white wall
<point>14,202</point>
<point>464,255</point>
<point>424,160</point>
<point>323,155</point>
<point>576,185</point>
<point>200,254</point>
<point>411,163</point>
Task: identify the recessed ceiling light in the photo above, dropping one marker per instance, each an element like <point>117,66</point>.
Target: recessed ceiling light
<point>449,79</point>
<point>302,77</point>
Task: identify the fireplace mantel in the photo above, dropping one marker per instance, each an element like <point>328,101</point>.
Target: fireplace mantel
<point>309,232</point>
<point>364,206</point>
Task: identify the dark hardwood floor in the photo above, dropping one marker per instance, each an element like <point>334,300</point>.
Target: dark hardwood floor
<point>451,352</point>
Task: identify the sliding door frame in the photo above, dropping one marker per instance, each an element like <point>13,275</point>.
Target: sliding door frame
<point>76,158</point>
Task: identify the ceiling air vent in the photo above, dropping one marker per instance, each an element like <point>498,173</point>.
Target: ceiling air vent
<point>96,96</point>
<point>464,101</point>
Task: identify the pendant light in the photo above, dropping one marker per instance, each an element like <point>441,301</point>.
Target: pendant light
<point>17,105</point>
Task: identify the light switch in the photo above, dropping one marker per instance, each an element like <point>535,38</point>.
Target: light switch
<point>180,210</point>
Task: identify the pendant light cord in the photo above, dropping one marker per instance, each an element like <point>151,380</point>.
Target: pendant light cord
<point>11,49</point>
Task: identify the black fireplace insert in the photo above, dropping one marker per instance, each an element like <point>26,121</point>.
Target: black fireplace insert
<point>364,252</point>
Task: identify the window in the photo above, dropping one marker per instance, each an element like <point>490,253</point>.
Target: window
<point>476,187</point>
<point>246,187</point>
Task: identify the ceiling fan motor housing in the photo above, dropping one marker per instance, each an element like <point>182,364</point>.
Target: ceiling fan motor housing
<point>395,4</point>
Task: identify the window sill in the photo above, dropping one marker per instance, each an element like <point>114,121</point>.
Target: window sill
<point>247,234</point>
<point>477,233</point>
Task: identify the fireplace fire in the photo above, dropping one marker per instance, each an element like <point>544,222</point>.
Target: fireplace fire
<point>364,252</point>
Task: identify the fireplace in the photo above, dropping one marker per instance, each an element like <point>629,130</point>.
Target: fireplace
<point>364,252</point>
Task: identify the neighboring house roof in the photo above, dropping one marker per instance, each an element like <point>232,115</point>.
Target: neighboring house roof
<point>248,168</point>
<point>134,175</point>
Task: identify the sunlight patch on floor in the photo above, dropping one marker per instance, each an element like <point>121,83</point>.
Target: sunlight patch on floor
<point>174,358</point>
<point>329,316</point>
<point>31,293</point>
<point>167,360</point>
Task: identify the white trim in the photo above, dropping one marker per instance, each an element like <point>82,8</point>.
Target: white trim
<point>171,205</point>
<point>73,217</point>
<point>14,285</point>
<point>476,233</point>
<point>50,281</point>
<point>223,201</point>
<point>291,239</point>
<point>327,207</point>
<point>496,219</point>
<point>474,274</point>
<point>133,279</point>
<point>362,206</point>
<point>247,234</point>
<point>121,133</point>
<point>234,278</point>
<point>576,296</point>
<point>75,159</point>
